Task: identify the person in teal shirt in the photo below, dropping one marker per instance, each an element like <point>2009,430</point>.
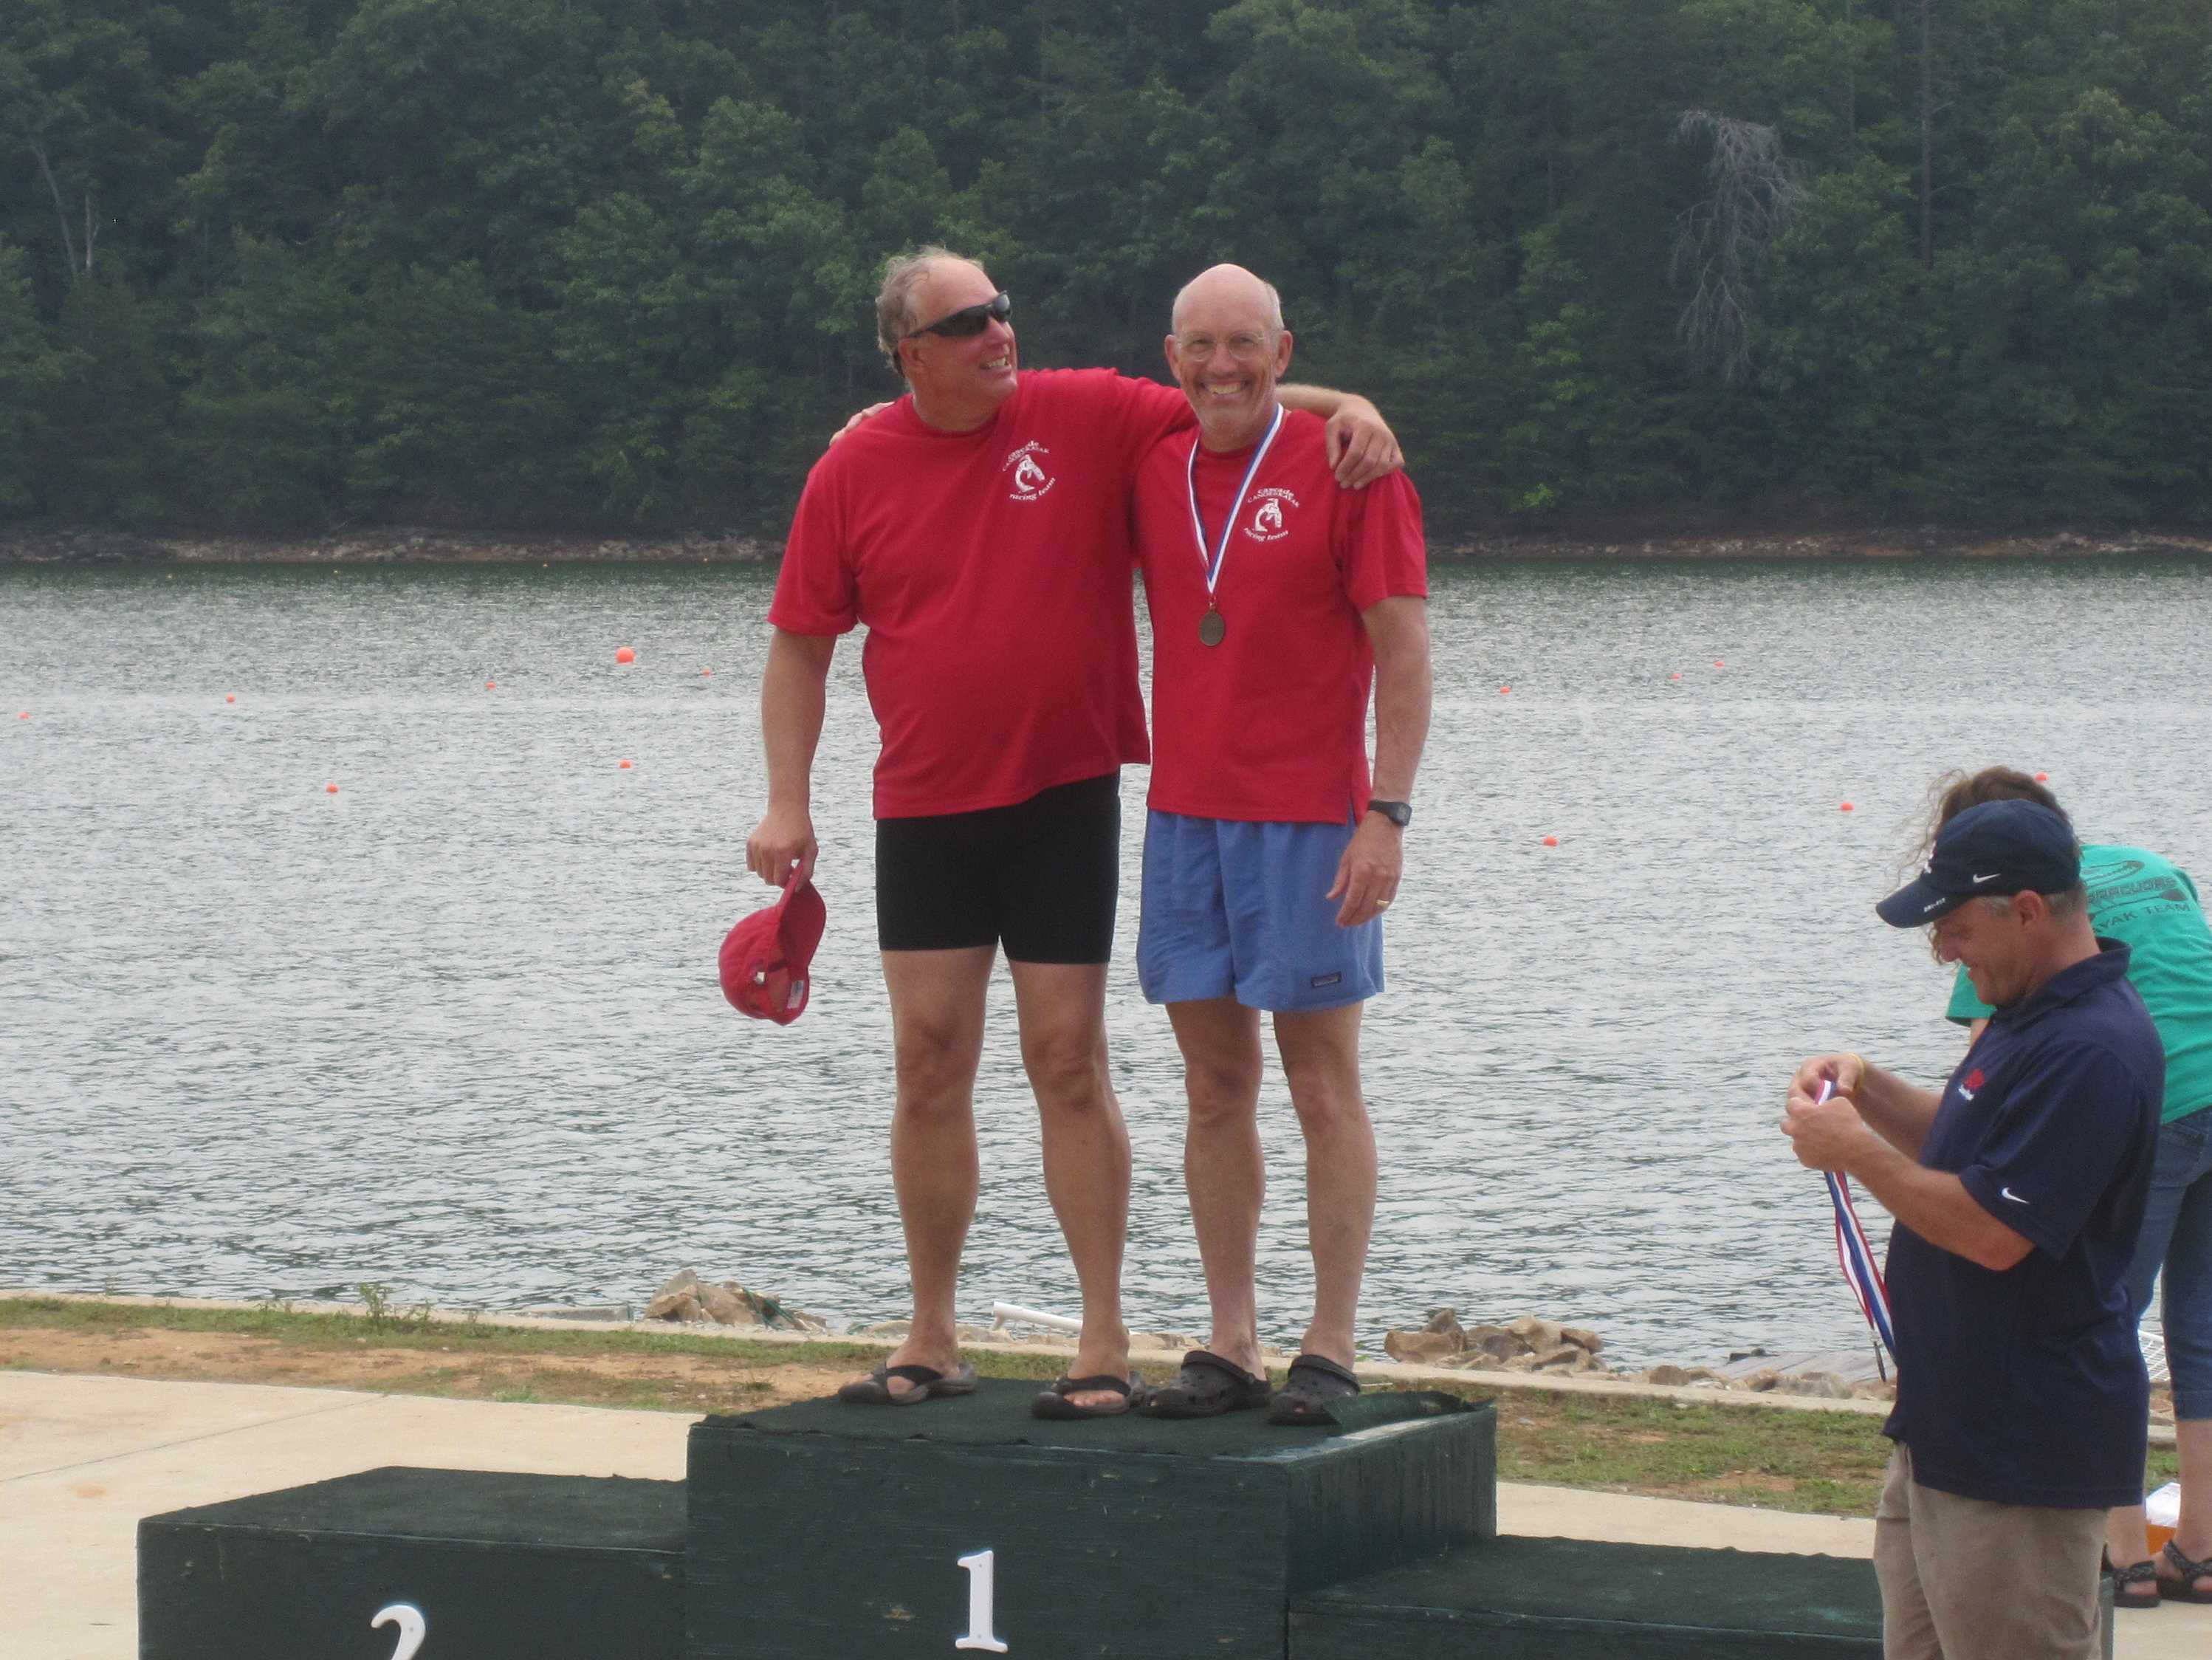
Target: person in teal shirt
<point>2151,906</point>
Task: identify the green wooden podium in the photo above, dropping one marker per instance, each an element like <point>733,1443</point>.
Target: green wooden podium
<point>451,1565</point>
<point>1573,1599</point>
<point>1577,1599</point>
<point>828,1532</point>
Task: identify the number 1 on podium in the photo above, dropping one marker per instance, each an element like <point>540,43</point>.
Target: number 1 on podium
<point>982,1576</point>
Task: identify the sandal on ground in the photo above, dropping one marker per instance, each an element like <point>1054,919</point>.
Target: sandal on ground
<point>2182,1588</point>
<point>2135,1586</point>
<point>875,1389</point>
<point>1315,1382</point>
<point>1206,1387</point>
<point>1054,1402</point>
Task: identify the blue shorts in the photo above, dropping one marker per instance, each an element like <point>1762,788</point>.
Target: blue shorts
<point>1235,910</point>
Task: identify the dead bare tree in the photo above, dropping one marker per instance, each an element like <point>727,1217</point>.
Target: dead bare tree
<point>1720,239</point>
<point>60,211</point>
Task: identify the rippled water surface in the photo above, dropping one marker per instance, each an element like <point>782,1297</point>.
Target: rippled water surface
<point>456,1028</point>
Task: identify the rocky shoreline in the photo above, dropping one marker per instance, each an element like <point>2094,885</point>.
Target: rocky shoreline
<point>1544,1349</point>
<point>403,545</point>
<point>1525,1344</point>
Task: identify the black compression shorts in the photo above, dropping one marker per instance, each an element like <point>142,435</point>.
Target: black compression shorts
<point>1040,876</point>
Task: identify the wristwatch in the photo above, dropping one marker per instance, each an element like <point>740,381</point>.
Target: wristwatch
<point>1399,814</point>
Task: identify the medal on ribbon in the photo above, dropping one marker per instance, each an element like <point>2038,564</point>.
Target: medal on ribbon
<point>1213,627</point>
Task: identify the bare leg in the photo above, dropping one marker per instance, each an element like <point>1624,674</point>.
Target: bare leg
<point>937,1033</point>
<point>1062,1009</point>
<point>2192,1439</point>
<point>1321,1062</point>
<point>1224,1170</point>
<point>2126,1543</point>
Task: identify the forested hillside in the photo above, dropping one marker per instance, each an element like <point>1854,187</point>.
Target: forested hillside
<point>281,264</point>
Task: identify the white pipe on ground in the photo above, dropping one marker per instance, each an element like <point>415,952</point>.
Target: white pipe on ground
<point>1002,1312</point>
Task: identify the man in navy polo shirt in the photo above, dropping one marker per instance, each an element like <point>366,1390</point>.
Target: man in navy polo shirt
<point>2018,1191</point>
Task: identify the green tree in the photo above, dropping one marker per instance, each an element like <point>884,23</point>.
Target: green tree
<point>30,371</point>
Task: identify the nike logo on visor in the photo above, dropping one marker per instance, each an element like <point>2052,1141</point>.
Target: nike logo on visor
<point>2006,1193</point>
<point>1991,877</point>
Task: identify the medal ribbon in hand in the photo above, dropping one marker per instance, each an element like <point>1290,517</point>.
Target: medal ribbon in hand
<point>1853,1255</point>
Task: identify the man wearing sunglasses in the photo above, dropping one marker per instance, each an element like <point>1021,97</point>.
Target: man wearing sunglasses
<point>979,528</point>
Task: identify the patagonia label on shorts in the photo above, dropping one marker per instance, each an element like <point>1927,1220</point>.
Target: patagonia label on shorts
<point>1321,980</point>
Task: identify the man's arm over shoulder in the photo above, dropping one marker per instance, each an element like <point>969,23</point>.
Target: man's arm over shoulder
<point>1131,412</point>
<point>1360,445</point>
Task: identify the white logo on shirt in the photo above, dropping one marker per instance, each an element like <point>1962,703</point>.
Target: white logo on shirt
<point>1268,525</point>
<point>1031,480</point>
<point>1964,1094</point>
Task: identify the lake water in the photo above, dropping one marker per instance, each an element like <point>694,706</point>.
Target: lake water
<point>455,1028</point>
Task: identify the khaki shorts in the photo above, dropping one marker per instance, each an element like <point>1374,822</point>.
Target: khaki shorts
<point>1967,1580</point>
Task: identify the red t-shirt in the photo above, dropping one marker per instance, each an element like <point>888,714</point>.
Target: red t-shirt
<point>1270,725</point>
<point>992,570</point>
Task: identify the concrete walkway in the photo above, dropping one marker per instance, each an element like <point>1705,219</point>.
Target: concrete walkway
<point>82,1459</point>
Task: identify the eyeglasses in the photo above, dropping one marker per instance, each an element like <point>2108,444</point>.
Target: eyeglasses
<point>1243,347</point>
<point>968,319</point>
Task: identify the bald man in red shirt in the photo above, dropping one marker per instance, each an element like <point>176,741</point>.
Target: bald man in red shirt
<point>1278,600</point>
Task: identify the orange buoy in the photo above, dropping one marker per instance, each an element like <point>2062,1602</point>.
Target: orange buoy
<point>491,685</point>
<point>1677,675</point>
<point>230,698</point>
<point>2043,778</point>
<point>330,789</point>
<point>624,655</point>
<point>625,766</point>
<point>1719,664</point>
<point>1844,807</point>
<point>25,715</point>
<point>1550,840</point>
<point>1502,690</point>
<point>703,673</point>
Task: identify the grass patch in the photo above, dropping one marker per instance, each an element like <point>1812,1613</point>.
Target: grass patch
<point>1822,1462</point>
<point>415,1330</point>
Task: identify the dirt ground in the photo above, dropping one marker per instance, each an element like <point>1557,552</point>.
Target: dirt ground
<point>687,1383</point>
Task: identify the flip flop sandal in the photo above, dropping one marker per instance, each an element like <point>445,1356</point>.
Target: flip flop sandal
<point>875,1389</point>
<point>1315,1382</point>
<point>2126,1580</point>
<point>2183,1589</point>
<point>1054,1403</point>
<point>1206,1387</point>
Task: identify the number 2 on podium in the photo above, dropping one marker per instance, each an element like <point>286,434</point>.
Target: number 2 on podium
<point>982,1576</point>
<point>408,1619</point>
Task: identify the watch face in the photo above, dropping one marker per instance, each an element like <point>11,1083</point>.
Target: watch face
<point>1398,812</point>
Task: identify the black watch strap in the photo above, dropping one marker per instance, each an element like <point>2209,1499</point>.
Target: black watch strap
<point>1399,814</point>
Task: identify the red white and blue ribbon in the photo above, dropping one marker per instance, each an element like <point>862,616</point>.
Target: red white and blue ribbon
<point>1854,1255</point>
<point>1212,559</point>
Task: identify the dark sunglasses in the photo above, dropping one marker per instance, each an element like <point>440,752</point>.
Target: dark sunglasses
<point>968,319</point>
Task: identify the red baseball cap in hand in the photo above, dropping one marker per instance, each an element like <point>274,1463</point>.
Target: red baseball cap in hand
<point>766,956</point>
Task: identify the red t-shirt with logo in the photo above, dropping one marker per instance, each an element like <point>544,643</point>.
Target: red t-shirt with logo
<point>1270,725</point>
<point>991,569</point>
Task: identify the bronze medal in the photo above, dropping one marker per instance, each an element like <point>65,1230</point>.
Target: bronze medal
<point>1213,628</point>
